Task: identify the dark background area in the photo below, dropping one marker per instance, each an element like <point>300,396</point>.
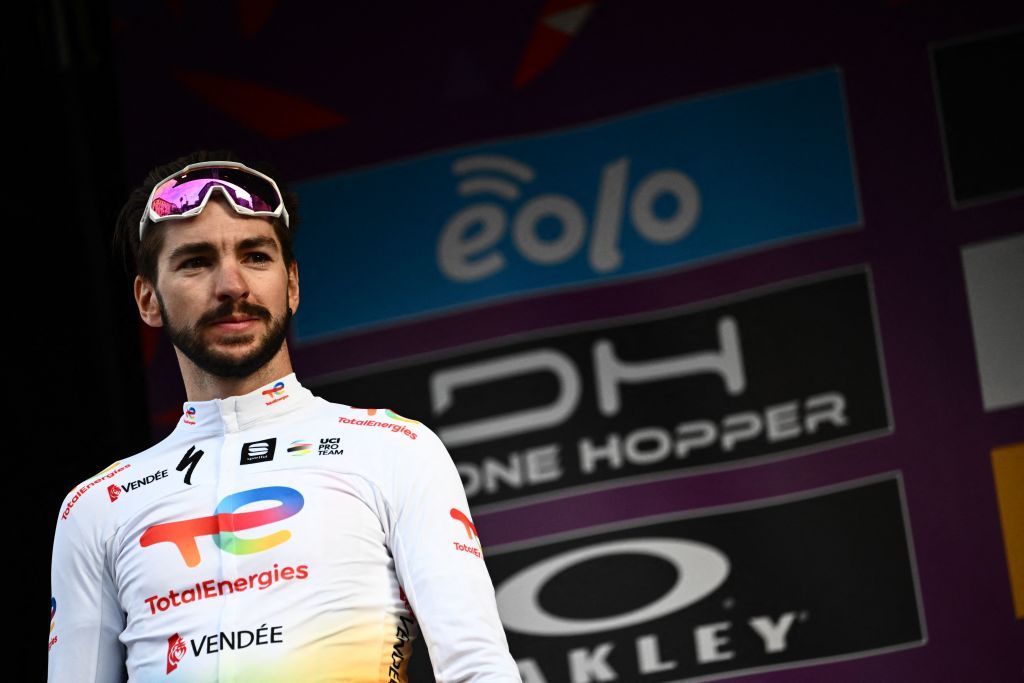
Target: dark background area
<point>76,341</point>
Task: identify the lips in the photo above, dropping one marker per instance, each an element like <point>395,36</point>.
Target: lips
<point>234,323</point>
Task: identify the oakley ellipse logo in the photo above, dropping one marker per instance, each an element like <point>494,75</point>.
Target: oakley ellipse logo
<point>700,570</point>
<point>225,521</point>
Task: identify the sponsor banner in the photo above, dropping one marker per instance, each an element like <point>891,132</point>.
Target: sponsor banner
<point>184,647</point>
<point>812,578</point>
<point>1008,469</point>
<point>777,372</point>
<point>977,84</point>
<point>994,271</point>
<point>647,191</point>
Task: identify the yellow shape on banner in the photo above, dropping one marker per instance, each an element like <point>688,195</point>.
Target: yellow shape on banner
<point>1008,468</point>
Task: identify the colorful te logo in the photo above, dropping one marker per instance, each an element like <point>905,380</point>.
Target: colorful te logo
<point>53,611</point>
<point>275,393</point>
<point>225,521</point>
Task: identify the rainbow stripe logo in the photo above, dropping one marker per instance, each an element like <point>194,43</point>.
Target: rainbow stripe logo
<point>225,521</point>
<point>300,447</point>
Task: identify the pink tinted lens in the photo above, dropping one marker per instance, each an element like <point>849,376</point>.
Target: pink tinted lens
<point>179,195</point>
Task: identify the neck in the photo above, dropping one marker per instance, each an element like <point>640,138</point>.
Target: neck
<point>203,386</point>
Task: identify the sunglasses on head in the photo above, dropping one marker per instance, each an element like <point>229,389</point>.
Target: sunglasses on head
<point>186,193</point>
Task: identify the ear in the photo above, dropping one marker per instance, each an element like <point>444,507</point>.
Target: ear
<point>293,286</point>
<point>145,299</point>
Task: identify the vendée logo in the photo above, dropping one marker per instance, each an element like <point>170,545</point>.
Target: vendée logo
<point>225,521</point>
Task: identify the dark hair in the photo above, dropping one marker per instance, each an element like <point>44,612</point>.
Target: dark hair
<point>141,258</point>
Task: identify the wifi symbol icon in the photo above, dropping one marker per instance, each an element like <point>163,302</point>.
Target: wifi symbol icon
<point>491,184</point>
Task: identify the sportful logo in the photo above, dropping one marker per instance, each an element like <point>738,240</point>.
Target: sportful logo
<point>189,417</point>
<point>468,259</point>
<point>275,393</point>
<point>258,451</point>
<point>183,534</point>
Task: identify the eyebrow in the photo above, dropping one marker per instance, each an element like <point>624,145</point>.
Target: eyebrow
<point>193,248</point>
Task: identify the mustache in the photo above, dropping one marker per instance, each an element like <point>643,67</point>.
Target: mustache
<point>228,308</point>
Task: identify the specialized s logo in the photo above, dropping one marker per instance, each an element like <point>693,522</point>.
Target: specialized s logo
<point>176,650</point>
<point>189,460</point>
<point>225,521</point>
<point>275,393</point>
<point>113,491</point>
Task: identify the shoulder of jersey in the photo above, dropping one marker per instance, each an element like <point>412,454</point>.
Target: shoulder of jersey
<point>91,491</point>
<point>383,423</point>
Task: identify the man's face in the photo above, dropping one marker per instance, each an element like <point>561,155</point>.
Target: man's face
<point>224,294</point>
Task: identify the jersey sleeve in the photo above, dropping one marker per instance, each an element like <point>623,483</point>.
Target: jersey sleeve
<point>439,563</point>
<point>85,615</point>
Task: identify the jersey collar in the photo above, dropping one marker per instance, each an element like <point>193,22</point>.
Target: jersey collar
<point>236,412</point>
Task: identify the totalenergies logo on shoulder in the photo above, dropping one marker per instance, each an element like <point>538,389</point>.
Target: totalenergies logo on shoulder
<point>105,474</point>
<point>471,534</point>
<point>397,428</point>
<point>224,521</point>
<point>275,393</point>
<point>189,416</point>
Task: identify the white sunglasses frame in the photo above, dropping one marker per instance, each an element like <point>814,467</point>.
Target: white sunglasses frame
<point>151,216</point>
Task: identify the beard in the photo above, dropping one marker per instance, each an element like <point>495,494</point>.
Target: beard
<point>188,339</point>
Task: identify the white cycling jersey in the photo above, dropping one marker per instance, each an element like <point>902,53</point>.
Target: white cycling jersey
<point>274,537</point>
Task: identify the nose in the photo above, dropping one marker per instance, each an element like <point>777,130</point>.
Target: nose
<point>230,281</point>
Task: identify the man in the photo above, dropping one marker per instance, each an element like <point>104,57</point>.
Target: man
<point>272,536</point>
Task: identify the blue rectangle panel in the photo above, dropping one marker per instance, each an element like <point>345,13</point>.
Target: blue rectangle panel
<point>644,192</point>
